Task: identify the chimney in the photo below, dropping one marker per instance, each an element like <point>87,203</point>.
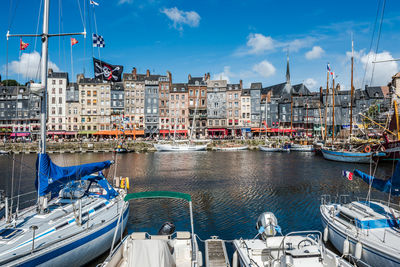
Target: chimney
<point>208,75</point>
<point>241,84</point>
<point>189,77</point>
<point>268,96</point>
<point>134,73</point>
<point>148,73</point>
<point>50,71</point>
<point>79,77</point>
<point>169,77</point>
<point>205,76</point>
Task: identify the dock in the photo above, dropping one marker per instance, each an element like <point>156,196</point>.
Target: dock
<point>216,255</point>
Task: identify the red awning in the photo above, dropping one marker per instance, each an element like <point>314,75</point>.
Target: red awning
<point>19,134</point>
<point>217,130</point>
<point>71,133</point>
<point>164,131</point>
<point>56,133</point>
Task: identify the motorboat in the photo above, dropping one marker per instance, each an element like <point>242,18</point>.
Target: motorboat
<point>273,148</point>
<point>166,248</point>
<point>366,229</point>
<point>301,148</point>
<point>232,148</point>
<point>177,147</point>
<point>267,248</point>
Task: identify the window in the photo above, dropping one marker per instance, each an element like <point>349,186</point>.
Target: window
<point>53,100</point>
<point>53,91</point>
<point>60,90</point>
<point>60,82</point>
<point>210,123</point>
<point>53,82</point>
<point>59,110</point>
<point>60,100</point>
<point>88,102</point>
<point>88,93</point>
<point>94,93</point>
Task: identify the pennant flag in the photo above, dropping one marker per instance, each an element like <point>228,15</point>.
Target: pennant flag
<point>22,45</point>
<point>73,41</point>
<point>98,41</point>
<point>93,3</point>
<point>348,175</point>
<point>328,68</point>
<point>107,72</point>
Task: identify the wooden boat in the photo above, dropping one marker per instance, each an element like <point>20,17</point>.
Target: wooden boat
<point>350,157</point>
<point>301,148</point>
<point>232,148</point>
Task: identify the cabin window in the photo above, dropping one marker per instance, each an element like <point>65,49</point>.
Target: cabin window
<point>346,218</point>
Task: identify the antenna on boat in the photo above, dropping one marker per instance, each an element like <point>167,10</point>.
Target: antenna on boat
<point>42,200</point>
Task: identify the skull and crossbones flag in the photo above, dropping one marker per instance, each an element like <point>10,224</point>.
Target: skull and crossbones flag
<point>107,72</point>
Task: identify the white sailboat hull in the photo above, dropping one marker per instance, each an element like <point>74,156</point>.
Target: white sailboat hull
<point>179,147</point>
<point>233,148</point>
<point>373,254</point>
<point>302,148</point>
<point>273,149</point>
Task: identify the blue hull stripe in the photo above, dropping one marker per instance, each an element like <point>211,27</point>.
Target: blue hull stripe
<point>364,246</point>
<point>71,246</point>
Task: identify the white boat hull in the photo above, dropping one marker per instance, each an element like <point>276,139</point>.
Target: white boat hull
<point>273,149</point>
<point>370,253</point>
<point>179,148</point>
<point>302,148</point>
<point>233,148</point>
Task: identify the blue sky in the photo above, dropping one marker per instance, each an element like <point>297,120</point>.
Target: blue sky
<point>230,39</point>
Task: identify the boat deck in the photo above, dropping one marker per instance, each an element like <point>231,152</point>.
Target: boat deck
<point>216,255</point>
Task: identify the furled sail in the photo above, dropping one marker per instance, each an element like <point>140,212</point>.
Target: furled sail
<point>52,177</point>
<point>391,186</point>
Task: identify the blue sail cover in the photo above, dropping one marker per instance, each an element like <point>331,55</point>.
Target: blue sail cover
<point>52,177</point>
<point>391,186</point>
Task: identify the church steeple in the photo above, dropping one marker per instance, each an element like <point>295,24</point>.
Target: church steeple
<point>287,69</point>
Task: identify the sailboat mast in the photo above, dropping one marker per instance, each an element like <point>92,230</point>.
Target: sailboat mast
<point>351,89</point>
<point>333,107</point>
<point>291,115</point>
<point>326,104</point>
<point>43,109</point>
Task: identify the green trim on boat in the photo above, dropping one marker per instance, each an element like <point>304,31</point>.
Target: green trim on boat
<point>158,194</point>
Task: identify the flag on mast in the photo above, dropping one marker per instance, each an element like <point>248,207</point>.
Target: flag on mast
<point>93,3</point>
<point>98,40</point>
<point>73,41</point>
<point>22,45</point>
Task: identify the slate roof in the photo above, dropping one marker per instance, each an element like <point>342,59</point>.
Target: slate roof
<point>256,86</point>
<point>233,87</point>
<point>200,81</point>
<point>58,75</point>
<point>179,88</point>
<point>278,90</point>
<point>374,91</point>
<point>246,92</point>
<point>130,77</point>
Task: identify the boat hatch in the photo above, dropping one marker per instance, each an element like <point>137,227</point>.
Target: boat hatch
<point>9,233</point>
<point>346,218</point>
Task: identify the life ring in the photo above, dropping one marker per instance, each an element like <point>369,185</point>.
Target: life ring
<point>367,149</point>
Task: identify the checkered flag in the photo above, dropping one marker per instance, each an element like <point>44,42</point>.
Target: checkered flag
<point>98,41</point>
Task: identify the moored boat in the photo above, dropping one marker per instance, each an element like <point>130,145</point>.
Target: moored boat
<point>232,148</point>
<point>303,248</point>
<point>301,148</point>
<point>180,147</point>
<point>350,157</point>
<point>166,248</point>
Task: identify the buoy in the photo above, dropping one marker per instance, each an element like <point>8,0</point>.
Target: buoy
<point>358,252</point>
<point>235,260</point>
<point>367,149</point>
<point>125,183</point>
<point>326,234</point>
<point>200,258</point>
<point>346,247</point>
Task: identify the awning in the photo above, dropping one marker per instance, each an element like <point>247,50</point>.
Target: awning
<point>134,132</point>
<point>56,133</point>
<point>86,132</point>
<point>112,132</point>
<point>164,131</point>
<point>217,130</point>
<point>19,134</point>
<point>247,130</point>
<point>258,130</point>
<point>71,133</point>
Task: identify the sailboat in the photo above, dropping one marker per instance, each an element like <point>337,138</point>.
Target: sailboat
<point>367,230</point>
<point>347,155</point>
<point>184,145</point>
<point>77,209</point>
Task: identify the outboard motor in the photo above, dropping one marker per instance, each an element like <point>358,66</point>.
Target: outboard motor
<point>267,224</point>
<point>168,228</point>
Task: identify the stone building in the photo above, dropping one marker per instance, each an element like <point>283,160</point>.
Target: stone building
<point>57,83</point>
<point>245,110</point>
<point>178,109</point>
<point>197,88</point>
<point>233,95</point>
<point>134,99</point>
<point>165,85</point>
<point>95,105</point>
<point>19,112</point>
<point>117,105</point>
<point>73,118</point>
<point>255,99</point>
<point>216,108</point>
<point>151,99</point>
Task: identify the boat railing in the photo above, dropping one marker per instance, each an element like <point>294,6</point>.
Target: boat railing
<point>19,203</point>
<point>338,199</point>
<point>314,237</point>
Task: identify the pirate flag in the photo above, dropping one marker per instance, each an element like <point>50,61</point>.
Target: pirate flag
<point>107,72</point>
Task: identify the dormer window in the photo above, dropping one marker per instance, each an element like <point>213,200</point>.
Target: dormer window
<point>196,82</point>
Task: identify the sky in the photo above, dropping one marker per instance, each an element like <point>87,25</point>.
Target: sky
<point>235,40</point>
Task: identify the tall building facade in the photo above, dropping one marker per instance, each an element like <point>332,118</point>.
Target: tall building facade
<point>216,108</point>
<point>151,98</point>
<point>57,83</point>
<point>197,93</point>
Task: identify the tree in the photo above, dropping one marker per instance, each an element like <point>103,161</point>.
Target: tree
<point>10,83</point>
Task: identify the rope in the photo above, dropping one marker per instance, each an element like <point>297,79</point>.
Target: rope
<point>371,43</point>
<point>378,40</point>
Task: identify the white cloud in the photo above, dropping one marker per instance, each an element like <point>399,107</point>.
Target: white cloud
<point>179,17</point>
<point>381,73</point>
<point>225,75</point>
<point>258,43</point>
<point>314,53</point>
<point>264,69</point>
<point>120,2</point>
<point>29,65</point>
<point>310,83</point>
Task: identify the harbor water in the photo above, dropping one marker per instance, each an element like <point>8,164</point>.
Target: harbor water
<point>229,189</point>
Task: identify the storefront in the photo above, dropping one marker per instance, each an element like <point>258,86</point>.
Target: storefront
<point>217,133</point>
